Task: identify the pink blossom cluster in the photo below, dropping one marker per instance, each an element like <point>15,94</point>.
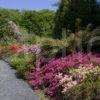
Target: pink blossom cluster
<point>46,75</point>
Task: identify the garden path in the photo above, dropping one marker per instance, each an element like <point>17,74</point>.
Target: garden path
<point>12,88</point>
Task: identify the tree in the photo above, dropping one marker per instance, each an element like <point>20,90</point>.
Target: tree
<point>88,11</point>
<point>12,15</point>
<point>4,29</point>
<point>38,22</point>
<point>30,21</point>
<point>35,22</point>
<point>7,16</point>
<point>46,21</point>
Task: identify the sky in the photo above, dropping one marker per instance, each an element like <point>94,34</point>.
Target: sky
<point>28,4</point>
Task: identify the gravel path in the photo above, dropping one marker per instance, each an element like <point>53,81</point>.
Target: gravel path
<point>12,88</point>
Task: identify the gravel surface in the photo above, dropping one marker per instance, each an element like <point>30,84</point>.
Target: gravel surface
<point>12,88</point>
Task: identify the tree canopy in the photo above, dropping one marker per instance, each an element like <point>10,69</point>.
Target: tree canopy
<point>34,22</point>
<point>86,11</point>
<point>40,22</point>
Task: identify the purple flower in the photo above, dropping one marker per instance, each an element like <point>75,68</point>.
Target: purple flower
<point>35,49</point>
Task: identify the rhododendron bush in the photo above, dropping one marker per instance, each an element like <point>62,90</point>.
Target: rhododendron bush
<point>62,74</point>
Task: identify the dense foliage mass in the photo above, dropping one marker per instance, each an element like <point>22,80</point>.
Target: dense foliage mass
<point>34,22</point>
<point>76,14</point>
<point>39,23</point>
<point>4,28</point>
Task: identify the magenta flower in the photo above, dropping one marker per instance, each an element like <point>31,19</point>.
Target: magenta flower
<point>46,75</point>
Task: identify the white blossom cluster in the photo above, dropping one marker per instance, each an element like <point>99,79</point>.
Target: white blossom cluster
<point>75,78</point>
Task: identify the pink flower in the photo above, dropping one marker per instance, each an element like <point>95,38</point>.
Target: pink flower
<point>47,75</point>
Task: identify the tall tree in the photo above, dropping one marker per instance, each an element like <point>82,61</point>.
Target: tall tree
<point>88,11</point>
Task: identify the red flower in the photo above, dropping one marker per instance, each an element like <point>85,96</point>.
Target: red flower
<point>15,48</point>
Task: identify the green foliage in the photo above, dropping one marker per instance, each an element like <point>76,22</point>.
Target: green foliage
<point>22,63</point>
<point>39,23</point>
<point>17,62</point>
<point>4,29</point>
<point>36,22</point>
<point>30,21</point>
<point>46,21</point>
<point>5,16</point>
<point>13,15</point>
<point>88,11</point>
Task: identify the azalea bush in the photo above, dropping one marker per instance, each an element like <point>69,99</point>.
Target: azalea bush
<point>75,77</point>
<point>23,58</point>
<point>56,77</point>
<point>89,89</point>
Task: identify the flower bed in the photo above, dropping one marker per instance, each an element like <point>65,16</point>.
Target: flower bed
<point>56,78</point>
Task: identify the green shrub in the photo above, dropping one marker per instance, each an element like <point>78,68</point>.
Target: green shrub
<point>23,63</point>
<point>17,62</point>
<point>29,61</point>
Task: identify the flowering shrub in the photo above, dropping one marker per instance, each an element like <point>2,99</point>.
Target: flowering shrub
<point>24,57</point>
<point>16,48</point>
<point>76,77</point>
<point>46,77</point>
<point>89,88</point>
<point>35,49</point>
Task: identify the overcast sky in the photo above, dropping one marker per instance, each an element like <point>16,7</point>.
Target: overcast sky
<point>28,4</point>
